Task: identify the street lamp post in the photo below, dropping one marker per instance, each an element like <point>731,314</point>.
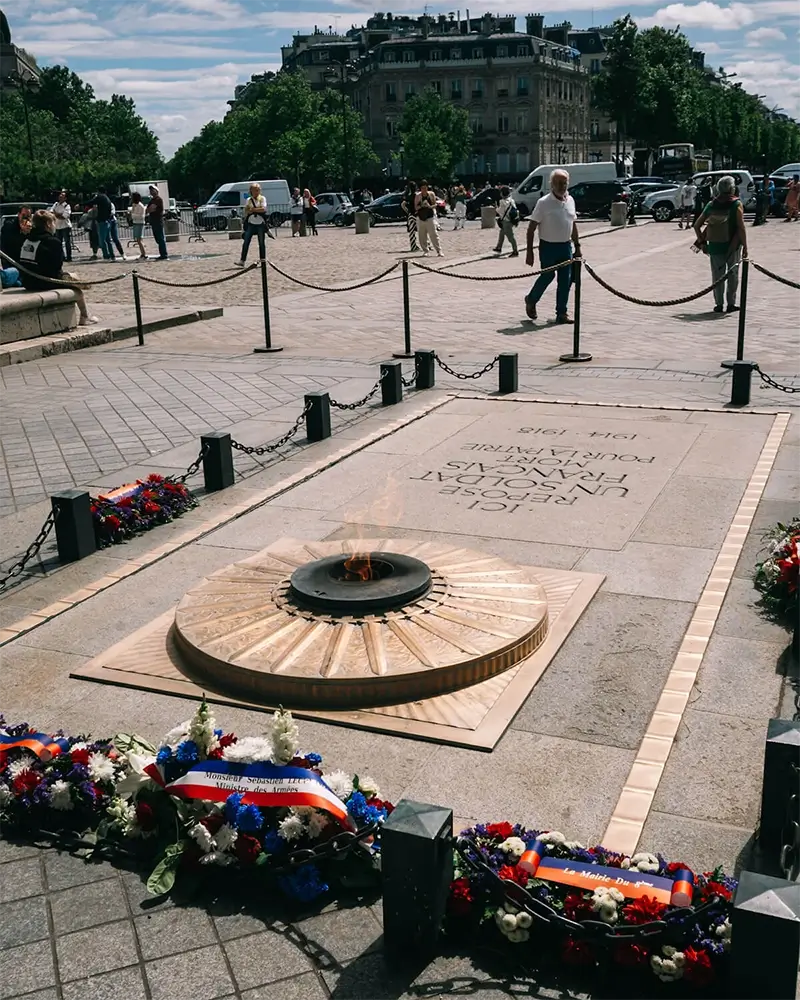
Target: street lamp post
<point>343,73</point>
<point>401,150</point>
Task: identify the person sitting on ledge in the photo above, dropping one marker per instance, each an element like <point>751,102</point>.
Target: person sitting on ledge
<point>42,256</point>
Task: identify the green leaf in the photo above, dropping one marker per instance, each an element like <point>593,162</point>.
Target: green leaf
<point>127,742</point>
<point>162,878</point>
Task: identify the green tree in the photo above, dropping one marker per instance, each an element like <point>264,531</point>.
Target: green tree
<point>436,136</point>
<point>618,90</point>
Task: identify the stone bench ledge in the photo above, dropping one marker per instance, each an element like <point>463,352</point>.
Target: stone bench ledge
<point>17,300</point>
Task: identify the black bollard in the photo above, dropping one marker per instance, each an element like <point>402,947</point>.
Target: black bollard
<point>417,869</point>
<point>217,460</point>
<point>509,373</point>
<point>268,347</point>
<point>781,767</point>
<point>425,363</point>
<point>577,270</point>
<point>406,352</point>
<point>391,383</point>
<point>318,417</point>
<point>75,537</point>
<point>137,303</point>
<point>765,938</point>
<point>740,386</point>
<point>745,266</point>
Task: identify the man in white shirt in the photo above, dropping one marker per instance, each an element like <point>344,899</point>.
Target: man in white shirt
<point>62,211</point>
<point>688,196</point>
<point>554,216</point>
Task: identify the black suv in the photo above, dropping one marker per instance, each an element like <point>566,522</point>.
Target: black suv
<point>487,196</point>
<point>595,197</point>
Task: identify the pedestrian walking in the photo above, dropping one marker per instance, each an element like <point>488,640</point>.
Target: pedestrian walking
<point>723,239</point>
<point>255,223</point>
<point>137,222</point>
<point>425,210</point>
<point>155,213</point>
<point>554,216</point>
<point>793,199</point>
<point>460,207</point>
<point>113,232</point>
<point>773,198</point>
<point>42,254</point>
<point>62,210</point>
<point>310,210</point>
<point>296,211</point>
<point>407,204</point>
<point>688,195</point>
<point>102,204</point>
<point>507,215</point>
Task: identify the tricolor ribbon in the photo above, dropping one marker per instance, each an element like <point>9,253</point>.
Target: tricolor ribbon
<point>259,784</point>
<point>45,747</point>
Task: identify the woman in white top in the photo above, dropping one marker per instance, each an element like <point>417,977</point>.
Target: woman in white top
<point>255,223</point>
<point>296,211</point>
<point>137,212</point>
<point>554,216</point>
<point>310,210</point>
<point>62,211</point>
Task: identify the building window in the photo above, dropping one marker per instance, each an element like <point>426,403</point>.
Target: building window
<point>411,89</point>
<point>455,90</point>
<point>437,86</point>
<point>522,86</point>
<point>502,122</point>
<point>391,127</point>
<point>391,92</point>
<point>594,129</point>
<point>522,122</point>
<point>502,86</point>
<point>477,88</point>
<point>502,160</point>
<point>522,50</point>
<point>523,160</point>
<point>455,53</point>
<point>476,125</point>
<point>548,88</point>
<point>408,55</point>
<point>388,57</point>
<point>436,55</point>
<point>594,67</point>
<point>477,53</point>
<point>502,52</point>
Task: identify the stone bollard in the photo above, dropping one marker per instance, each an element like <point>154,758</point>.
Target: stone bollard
<point>425,364</point>
<point>391,382</point>
<point>172,229</point>
<point>765,938</point>
<point>75,537</point>
<point>619,213</point>
<point>303,231</point>
<point>781,767</point>
<point>318,417</point>
<point>362,223</point>
<point>488,217</point>
<point>217,461</point>
<point>234,228</point>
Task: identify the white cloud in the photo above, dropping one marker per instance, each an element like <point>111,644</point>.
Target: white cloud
<point>168,124</point>
<point>772,75</point>
<point>67,33</point>
<point>705,14</point>
<point>126,48</point>
<point>710,48</point>
<point>62,16</point>
<point>762,35</point>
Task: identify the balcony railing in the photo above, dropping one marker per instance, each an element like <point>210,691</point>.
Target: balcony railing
<point>522,91</point>
<point>502,92</point>
<point>477,93</point>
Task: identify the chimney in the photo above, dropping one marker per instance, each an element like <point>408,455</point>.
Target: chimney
<point>534,25</point>
<point>424,25</point>
<point>487,24</point>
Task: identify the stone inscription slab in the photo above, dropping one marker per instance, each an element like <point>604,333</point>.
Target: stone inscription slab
<point>583,479</point>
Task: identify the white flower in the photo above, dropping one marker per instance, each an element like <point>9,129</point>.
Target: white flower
<point>679,959</point>
<point>201,729</point>
<point>509,922</point>
<point>100,767</point>
<point>178,734</point>
<point>317,822</point>
<point>248,750</point>
<point>285,737</point>
<point>510,908</point>
<point>79,746</point>
<point>340,783</point>
<point>625,863</point>
<point>518,935</point>
<point>61,796</point>
<point>369,788</point>
<point>23,763</point>
<point>524,921</point>
<point>553,837</point>
<point>202,838</point>
<point>513,846</point>
<point>668,969</point>
<point>5,795</point>
<point>722,931</point>
<point>604,903</point>
<point>645,862</point>
<point>225,837</point>
<point>123,815</point>
<point>135,779</point>
<point>291,828</point>
<point>573,845</point>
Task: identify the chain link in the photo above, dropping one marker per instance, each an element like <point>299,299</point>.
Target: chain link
<point>790,837</point>
<point>411,380</point>
<point>775,277</point>
<point>266,449</point>
<point>465,375</point>
<point>331,850</point>
<point>192,469</point>
<point>31,551</point>
<point>197,284</point>
<point>324,288</point>
<point>359,402</point>
<point>656,302</point>
<point>672,927</point>
<point>770,381</point>
<point>496,277</point>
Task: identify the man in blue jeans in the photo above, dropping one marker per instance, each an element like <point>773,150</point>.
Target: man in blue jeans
<point>554,216</point>
<point>104,208</point>
<point>155,213</point>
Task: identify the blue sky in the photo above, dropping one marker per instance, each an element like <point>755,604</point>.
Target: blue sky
<point>181,59</point>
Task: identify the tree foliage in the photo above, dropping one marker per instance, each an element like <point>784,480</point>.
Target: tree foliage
<point>436,136</point>
<point>78,140</point>
<point>654,89</point>
<point>283,129</point>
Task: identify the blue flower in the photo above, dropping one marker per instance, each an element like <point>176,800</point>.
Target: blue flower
<point>273,842</point>
<point>249,819</point>
<point>218,733</point>
<point>187,752</point>
<point>164,755</point>
<point>363,813</point>
<point>304,885</point>
<point>314,758</point>
<point>232,804</point>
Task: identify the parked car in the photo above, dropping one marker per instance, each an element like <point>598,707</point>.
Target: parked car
<point>488,196</point>
<point>335,207</point>
<point>788,170</point>
<point>10,209</point>
<point>387,208</point>
<point>744,182</point>
<point>229,200</point>
<point>630,181</point>
<point>641,189</point>
<point>663,205</point>
<point>595,197</point>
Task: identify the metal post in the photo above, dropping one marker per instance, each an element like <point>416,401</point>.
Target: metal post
<point>406,352</point>
<point>781,768</point>
<point>318,417</point>
<point>765,937</point>
<point>745,266</point>
<point>577,270</point>
<point>509,373</point>
<point>391,383</point>
<point>268,347</point>
<point>425,364</point>
<point>74,526</point>
<point>740,386</point>
<point>417,869</point>
<point>217,460</point>
<point>137,302</point>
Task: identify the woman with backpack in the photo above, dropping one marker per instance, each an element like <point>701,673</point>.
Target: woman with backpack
<point>723,239</point>
<point>507,217</point>
<point>255,223</point>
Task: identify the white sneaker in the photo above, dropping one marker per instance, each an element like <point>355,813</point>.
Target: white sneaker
<point>239,263</point>
<point>424,253</point>
<point>439,253</point>
<point>88,321</point>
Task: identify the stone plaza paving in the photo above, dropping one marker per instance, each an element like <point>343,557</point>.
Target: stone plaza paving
<point>103,416</point>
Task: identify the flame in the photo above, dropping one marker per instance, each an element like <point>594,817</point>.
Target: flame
<point>358,567</point>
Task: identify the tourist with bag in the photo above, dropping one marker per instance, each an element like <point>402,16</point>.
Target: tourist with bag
<point>42,253</point>
<point>62,210</point>
<point>255,223</point>
<point>723,239</point>
<point>425,211</point>
<point>507,215</point>
<point>296,211</point>
<point>310,210</point>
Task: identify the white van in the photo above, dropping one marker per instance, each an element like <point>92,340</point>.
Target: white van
<point>230,199</point>
<point>536,183</point>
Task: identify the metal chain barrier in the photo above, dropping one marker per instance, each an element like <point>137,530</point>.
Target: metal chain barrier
<point>61,282</point>
<point>411,380</point>
<point>31,551</point>
<point>655,302</point>
<point>267,449</point>
<point>197,284</point>
<point>496,277</point>
<point>768,380</point>
<point>191,469</point>
<point>336,847</point>
<point>672,926</point>
<point>359,402</point>
<point>323,288</point>
<point>790,837</point>
<point>775,277</point>
<point>465,375</point>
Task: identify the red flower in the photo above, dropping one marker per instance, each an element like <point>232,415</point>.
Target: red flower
<point>113,521</point>
<point>215,754</point>
<point>93,508</point>
<point>145,816</point>
<point>382,804</point>
<point>576,952</point>
<point>247,849</point>
<point>25,782</point>
<point>628,954</point>
<point>500,830</point>
<point>577,907</point>
<point>514,874</point>
<point>227,740</point>
<point>643,910</point>
<point>212,823</point>
<point>80,756</point>
<point>461,898</point>
<point>125,502</point>
<point>675,866</point>
<point>698,970</point>
<point>707,889</point>
<point>3,761</point>
<point>155,478</point>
